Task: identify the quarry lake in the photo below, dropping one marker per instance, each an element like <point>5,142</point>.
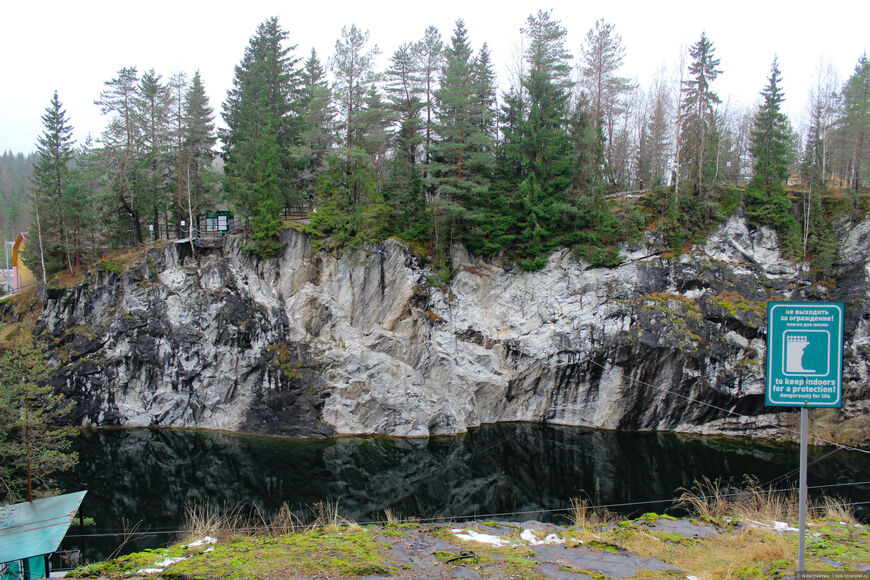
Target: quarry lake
<point>145,478</point>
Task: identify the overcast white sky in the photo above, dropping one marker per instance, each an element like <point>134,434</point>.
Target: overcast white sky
<point>74,47</point>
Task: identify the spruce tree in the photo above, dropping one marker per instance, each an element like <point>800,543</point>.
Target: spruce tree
<point>199,139</point>
<point>262,132</point>
<point>32,445</point>
<point>698,108</point>
<point>545,146</point>
<point>464,151</point>
<point>766,201</point>
<point>854,122</point>
<point>455,101</point>
<point>317,118</point>
<point>533,210</point>
<point>89,202</point>
<point>771,137</point>
<point>52,187</point>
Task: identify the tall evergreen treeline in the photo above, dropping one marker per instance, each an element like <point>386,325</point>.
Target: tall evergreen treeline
<point>429,149</point>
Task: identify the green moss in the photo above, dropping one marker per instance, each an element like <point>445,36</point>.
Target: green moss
<point>682,315</point>
<point>738,306</point>
<point>676,539</point>
<point>112,266</point>
<point>778,568</point>
<point>845,544</point>
<point>126,565</point>
<point>344,553</point>
<point>518,565</point>
<point>590,573</point>
<point>748,573</point>
<point>603,546</point>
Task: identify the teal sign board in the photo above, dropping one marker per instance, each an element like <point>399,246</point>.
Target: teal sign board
<point>804,354</point>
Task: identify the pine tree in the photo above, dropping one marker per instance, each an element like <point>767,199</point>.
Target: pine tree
<point>153,108</point>
<point>402,189</point>
<point>122,140</point>
<point>603,55</point>
<point>404,89</point>
<point>351,211</point>
<point>51,187</point>
<point>262,132</point>
<point>430,55</point>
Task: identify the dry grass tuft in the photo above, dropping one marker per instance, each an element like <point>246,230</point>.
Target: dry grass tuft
<point>719,500</point>
<point>283,522</point>
<point>225,522</point>
<point>327,517</point>
<point>221,522</point>
<point>835,508</point>
<point>391,517</point>
<point>586,516</point>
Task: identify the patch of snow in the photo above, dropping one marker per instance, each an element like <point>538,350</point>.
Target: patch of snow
<point>203,542</point>
<point>471,535</point>
<point>169,562</point>
<point>160,566</point>
<point>530,537</point>
<point>783,527</point>
<point>690,577</point>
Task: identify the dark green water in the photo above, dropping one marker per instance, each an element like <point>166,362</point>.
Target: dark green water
<point>148,476</point>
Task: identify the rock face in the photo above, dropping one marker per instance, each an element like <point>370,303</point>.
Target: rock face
<point>311,344</point>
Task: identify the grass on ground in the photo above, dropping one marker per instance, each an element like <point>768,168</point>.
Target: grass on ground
<point>746,544</point>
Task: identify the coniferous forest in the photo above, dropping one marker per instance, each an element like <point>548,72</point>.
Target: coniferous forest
<point>435,150</point>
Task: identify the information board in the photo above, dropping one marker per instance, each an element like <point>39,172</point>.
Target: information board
<point>804,354</point>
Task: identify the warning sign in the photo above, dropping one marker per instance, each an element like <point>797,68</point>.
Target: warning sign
<point>804,354</point>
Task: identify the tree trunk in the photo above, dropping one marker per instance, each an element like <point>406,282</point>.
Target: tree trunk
<point>27,443</point>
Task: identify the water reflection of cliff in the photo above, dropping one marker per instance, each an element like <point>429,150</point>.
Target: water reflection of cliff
<point>152,475</point>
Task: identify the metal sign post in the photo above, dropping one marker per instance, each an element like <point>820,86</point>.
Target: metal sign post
<point>804,369</point>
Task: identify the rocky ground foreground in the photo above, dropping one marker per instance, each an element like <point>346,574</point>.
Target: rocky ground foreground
<point>652,546</point>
